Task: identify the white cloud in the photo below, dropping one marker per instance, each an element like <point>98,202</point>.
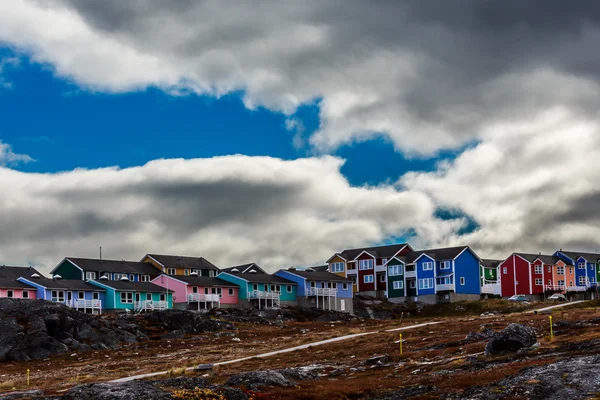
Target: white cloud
<point>229,209</point>
<point>4,62</point>
<point>9,158</point>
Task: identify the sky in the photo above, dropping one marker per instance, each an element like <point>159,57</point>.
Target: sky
<point>283,132</point>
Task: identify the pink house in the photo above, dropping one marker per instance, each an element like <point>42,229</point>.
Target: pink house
<point>11,288</point>
<point>203,291</point>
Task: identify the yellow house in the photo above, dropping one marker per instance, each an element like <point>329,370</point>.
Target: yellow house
<point>179,265</point>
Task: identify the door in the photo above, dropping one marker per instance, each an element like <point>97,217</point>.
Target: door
<point>342,305</point>
<point>137,297</point>
<point>69,297</point>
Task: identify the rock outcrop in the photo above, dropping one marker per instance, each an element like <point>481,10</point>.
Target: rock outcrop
<point>513,338</point>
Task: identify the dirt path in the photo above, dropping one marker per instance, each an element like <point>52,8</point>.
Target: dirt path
<point>287,350</point>
<point>556,306</point>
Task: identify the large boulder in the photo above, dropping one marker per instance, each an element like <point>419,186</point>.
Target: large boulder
<point>180,322</point>
<point>257,379</point>
<point>513,338</point>
<point>135,390</point>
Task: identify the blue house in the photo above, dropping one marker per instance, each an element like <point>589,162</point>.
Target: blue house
<point>320,289</point>
<point>435,275</point>
<point>124,295</point>
<point>585,269</point>
<point>73,293</point>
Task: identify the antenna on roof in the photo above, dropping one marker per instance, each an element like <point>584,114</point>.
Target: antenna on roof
<point>104,278</point>
<point>124,278</point>
<point>56,277</point>
<point>235,270</point>
<point>309,269</point>
<point>100,253</point>
<point>194,273</point>
<point>252,271</point>
<point>34,275</point>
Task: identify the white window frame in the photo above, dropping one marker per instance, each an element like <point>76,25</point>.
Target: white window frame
<point>581,280</point>
<point>395,270</point>
<point>505,270</point>
<point>369,280</point>
<point>186,272</point>
<point>25,294</point>
<point>345,286</point>
<point>289,289</point>
<point>398,285</point>
<point>365,265</point>
<point>426,283</point>
<point>383,261</point>
<point>413,284</point>
<point>96,296</point>
<point>144,278</point>
<point>427,266</point>
<point>560,270</point>
<point>446,265</point>
<point>382,278</point>
<point>462,281</point>
<point>580,265</point>
<point>539,269</point>
<point>549,269</point>
<point>211,273</point>
<point>230,292</point>
<point>80,295</point>
<point>337,267</point>
<point>549,282</point>
<point>163,297</point>
<point>10,294</point>
<point>90,275</point>
<point>443,280</point>
<point>126,297</point>
<point>171,271</point>
<point>539,282</point>
<point>592,267</point>
<point>561,282</point>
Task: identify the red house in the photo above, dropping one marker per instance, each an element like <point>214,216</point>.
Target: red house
<point>528,274</point>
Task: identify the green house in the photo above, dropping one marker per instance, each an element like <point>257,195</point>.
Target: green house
<point>261,288</point>
<point>395,278</point>
<point>135,296</point>
<point>489,271</point>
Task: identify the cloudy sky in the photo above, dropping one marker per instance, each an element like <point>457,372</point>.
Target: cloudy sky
<point>281,132</point>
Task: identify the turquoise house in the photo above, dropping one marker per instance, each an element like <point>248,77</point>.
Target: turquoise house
<point>261,289</point>
<point>125,295</point>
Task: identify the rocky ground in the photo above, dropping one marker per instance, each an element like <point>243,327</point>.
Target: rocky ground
<point>479,356</point>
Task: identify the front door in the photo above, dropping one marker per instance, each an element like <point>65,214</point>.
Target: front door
<point>137,297</point>
<point>69,297</point>
<point>411,287</point>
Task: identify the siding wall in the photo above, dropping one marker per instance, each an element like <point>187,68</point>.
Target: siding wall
<point>422,274</point>
<point>68,271</point>
<point>466,266</point>
<point>18,293</point>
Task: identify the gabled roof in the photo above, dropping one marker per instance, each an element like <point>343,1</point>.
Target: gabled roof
<point>120,266</point>
<point>375,251</point>
<point>261,278</point>
<point>317,275</point>
<point>244,268</point>
<point>133,286</point>
<point>546,259</point>
<point>194,280</point>
<point>441,254</point>
<point>64,284</point>
<point>9,276</point>
<point>183,262</point>
<point>490,263</point>
<point>574,255</point>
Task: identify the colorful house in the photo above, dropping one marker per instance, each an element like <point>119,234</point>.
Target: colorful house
<point>73,293</point>
<point>320,289</point>
<point>490,277</point>
<point>585,270</point>
<point>262,290</point>
<point>10,286</point>
<point>245,268</point>
<point>434,275</point>
<point>199,290</point>
<point>366,267</point>
<point>124,295</point>
<point>180,265</point>
<point>114,270</point>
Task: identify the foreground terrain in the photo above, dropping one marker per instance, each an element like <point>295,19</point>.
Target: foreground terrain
<point>445,360</point>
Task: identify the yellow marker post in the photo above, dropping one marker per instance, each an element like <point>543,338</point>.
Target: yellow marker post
<point>551,331</point>
<point>400,344</point>
<point>27,376</point>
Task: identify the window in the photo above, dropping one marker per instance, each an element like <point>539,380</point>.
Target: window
<point>366,264</point>
<point>211,273</point>
<point>462,281</point>
<point>96,296</point>
<point>581,265</point>
<point>538,269</point>
<point>131,277</point>
<point>337,267</point>
<point>313,284</point>
<point>516,282</point>
<point>505,270</point>
<point>561,283</point>
<point>273,288</point>
<point>144,278</point>
<point>217,291</point>
<point>206,291</point>
<point>445,280</point>
<point>230,292</point>
<point>412,284</point>
<point>549,282</point>
<point>592,280</point>
<point>538,281</point>
<point>163,297</point>
<point>570,270</point>
<point>148,296</point>
<point>560,270</point>
<point>368,279</point>
<point>592,267</point>
<point>332,285</point>
<point>549,269</point>
<point>80,295</point>
<point>10,293</point>
<point>582,280</point>
<point>427,266</point>
<point>395,270</point>
<point>288,288</point>
<point>383,261</point>
<point>170,271</point>
<point>126,297</point>
<point>255,286</point>
<point>90,275</point>
<point>445,265</point>
<point>426,283</point>
<point>381,278</point>
<point>278,288</point>
<point>195,271</point>
<point>344,286</point>
<point>186,272</point>
<point>398,285</point>
<point>25,294</point>
<point>57,295</point>
<point>137,297</point>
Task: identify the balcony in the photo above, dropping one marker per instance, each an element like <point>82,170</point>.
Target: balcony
<point>352,271</point>
<point>259,294</point>
<point>491,287</point>
<point>410,274</point>
<point>81,304</point>
<point>448,287</point>
<point>204,298</point>
<point>576,288</point>
<point>321,292</point>
<point>555,288</point>
<point>380,268</point>
<point>149,305</point>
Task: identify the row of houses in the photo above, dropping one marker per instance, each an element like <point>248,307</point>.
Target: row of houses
<point>396,272</point>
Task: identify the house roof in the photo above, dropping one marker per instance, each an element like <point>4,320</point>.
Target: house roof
<point>376,251</point>
<point>183,262</point>
<point>546,259</point>
<point>445,253</point>
<point>261,278</point>
<point>9,275</point>
<point>122,266</point>
<point>64,284</point>
<point>318,275</point>
<point>574,255</point>
<point>490,263</point>
<point>202,281</point>
<point>133,286</point>
<point>243,268</point>
<point>320,268</point>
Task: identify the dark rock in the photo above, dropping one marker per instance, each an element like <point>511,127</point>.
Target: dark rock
<point>135,390</point>
<point>475,336</point>
<point>28,394</point>
<point>183,382</point>
<point>377,360</point>
<point>178,334</point>
<point>408,392</point>
<point>257,379</point>
<point>299,374</point>
<point>185,321</point>
<point>511,339</point>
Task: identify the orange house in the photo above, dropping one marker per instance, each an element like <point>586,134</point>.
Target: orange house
<point>563,274</point>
